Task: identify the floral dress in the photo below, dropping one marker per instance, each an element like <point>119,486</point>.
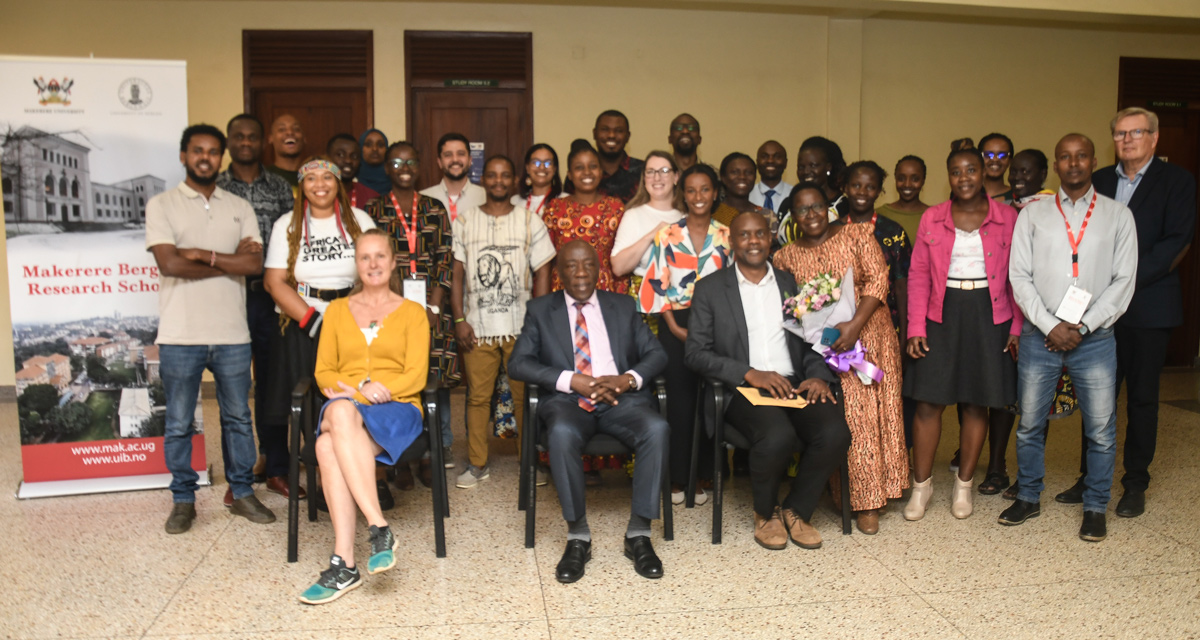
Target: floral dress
<point>878,459</point>
<point>596,224</point>
<point>676,265</point>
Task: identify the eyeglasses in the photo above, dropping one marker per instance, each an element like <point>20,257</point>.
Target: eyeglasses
<point>691,128</point>
<point>664,172</point>
<point>812,208</point>
<point>400,163</point>
<point>542,164</point>
<point>1136,134</point>
<point>996,155</point>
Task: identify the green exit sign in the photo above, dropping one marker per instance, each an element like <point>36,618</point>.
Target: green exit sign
<point>472,83</point>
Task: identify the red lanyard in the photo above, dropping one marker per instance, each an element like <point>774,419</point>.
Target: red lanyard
<point>1071,236</point>
<point>337,216</point>
<point>529,202</point>
<point>353,196</point>
<point>410,232</point>
<point>450,204</point>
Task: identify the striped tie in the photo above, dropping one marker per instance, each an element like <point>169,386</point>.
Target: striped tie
<point>583,352</point>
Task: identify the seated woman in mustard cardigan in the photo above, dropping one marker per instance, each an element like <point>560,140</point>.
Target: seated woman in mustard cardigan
<point>372,363</point>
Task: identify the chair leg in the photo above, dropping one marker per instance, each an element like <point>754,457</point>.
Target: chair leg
<point>668,508</point>
<point>293,543</point>
<point>689,500</point>
<point>718,491</point>
<point>309,423</point>
<point>845,473</point>
<point>437,458</point>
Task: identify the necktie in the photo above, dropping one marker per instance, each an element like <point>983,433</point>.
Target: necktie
<point>767,202</point>
<point>583,353</point>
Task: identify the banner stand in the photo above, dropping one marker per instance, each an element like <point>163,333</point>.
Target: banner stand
<point>53,489</point>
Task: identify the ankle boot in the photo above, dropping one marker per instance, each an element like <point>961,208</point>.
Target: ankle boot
<point>921,493</point>
<point>961,504</point>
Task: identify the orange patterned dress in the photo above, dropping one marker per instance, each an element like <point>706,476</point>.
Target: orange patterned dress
<point>878,459</point>
<point>595,224</point>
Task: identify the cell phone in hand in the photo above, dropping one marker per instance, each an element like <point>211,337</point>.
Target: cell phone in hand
<point>829,335</point>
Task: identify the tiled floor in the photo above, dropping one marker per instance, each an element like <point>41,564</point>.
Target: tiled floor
<point>102,567</point>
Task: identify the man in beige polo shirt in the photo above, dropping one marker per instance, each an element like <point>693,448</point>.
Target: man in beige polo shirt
<point>205,241</point>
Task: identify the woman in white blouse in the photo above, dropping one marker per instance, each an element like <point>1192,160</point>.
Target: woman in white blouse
<point>656,205</point>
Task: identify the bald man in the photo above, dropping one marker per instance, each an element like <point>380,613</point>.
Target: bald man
<point>287,141</point>
<point>1073,266</point>
<point>594,358</point>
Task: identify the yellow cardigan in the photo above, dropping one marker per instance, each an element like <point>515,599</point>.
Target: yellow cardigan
<point>398,357</point>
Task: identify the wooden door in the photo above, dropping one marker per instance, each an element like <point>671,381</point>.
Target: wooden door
<point>479,84</point>
<point>323,78</point>
<point>1171,89</point>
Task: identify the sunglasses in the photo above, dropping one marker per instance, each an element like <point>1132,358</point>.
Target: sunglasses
<point>400,163</point>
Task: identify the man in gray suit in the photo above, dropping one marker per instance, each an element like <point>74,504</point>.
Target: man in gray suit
<point>736,335</point>
<point>594,357</point>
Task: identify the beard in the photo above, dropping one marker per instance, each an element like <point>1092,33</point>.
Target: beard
<point>610,157</point>
<point>203,181</point>
<point>457,176</point>
<point>685,148</point>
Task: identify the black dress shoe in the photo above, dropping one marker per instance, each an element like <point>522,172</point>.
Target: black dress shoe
<point>1093,528</point>
<point>1132,503</point>
<point>1019,512</point>
<point>1074,495</point>
<point>645,561</point>
<point>577,554</point>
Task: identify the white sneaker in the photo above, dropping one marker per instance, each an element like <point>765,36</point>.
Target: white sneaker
<point>473,476</point>
<point>543,478</point>
<point>677,497</point>
<point>701,496</point>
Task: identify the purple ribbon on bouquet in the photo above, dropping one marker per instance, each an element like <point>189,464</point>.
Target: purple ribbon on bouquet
<point>856,359</point>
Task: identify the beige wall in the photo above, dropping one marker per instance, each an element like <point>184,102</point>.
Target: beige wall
<point>885,87</point>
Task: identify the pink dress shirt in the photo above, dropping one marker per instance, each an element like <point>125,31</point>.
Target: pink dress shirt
<point>603,363</point>
<point>930,266</point>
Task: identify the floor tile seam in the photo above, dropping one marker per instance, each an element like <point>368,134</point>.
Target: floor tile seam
<point>184,581</point>
<point>542,589</point>
<point>1157,574</point>
<point>1168,536</point>
<point>914,592</point>
<point>728,609</point>
<point>381,627</point>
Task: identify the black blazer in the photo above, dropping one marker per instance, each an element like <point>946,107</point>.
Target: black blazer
<point>1164,211</point>
<point>546,346</point>
<point>718,344</point>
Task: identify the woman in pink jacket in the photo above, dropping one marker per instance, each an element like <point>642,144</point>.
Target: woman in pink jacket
<point>963,325</point>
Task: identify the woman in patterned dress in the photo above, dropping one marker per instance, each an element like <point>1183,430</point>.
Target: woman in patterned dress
<point>586,214</point>
<point>877,458</point>
<point>681,254</point>
<point>401,212</point>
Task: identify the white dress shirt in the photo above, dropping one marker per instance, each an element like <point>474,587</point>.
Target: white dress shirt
<point>762,303</point>
<point>758,195</point>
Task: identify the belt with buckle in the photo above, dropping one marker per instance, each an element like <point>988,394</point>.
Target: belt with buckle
<point>967,285</point>
<point>328,295</point>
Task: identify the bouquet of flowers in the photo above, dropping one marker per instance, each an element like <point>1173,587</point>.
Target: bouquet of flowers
<point>824,302</point>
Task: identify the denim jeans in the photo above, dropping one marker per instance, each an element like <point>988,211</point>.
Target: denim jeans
<point>1093,369</point>
<point>181,368</point>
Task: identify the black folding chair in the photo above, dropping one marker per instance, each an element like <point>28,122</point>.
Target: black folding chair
<point>534,440</point>
<point>726,435</point>
<point>306,406</point>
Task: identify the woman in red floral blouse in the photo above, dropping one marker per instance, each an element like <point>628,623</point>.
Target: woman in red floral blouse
<point>587,214</point>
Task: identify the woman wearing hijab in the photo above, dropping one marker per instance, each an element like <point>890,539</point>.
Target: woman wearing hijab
<point>374,147</point>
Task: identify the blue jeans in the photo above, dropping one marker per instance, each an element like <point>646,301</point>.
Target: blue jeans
<point>1093,369</point>
<point>181,368</point>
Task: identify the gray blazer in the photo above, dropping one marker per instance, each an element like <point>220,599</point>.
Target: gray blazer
<point>546,346</point>
<point>718,344</point>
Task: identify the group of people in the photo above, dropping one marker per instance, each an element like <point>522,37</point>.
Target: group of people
<point>593,278</point>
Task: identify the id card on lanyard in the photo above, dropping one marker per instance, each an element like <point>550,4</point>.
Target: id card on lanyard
<point>414,287</point>
<point>1075,301</point>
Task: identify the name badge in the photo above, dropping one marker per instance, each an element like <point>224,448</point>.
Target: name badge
<point>302,289</point>
<point>1073,304</point>
<point>414,290</point>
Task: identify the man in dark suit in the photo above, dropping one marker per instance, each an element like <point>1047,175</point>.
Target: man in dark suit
<point>736,335</point>
<point>594,358</point>
<point>1162,197</point>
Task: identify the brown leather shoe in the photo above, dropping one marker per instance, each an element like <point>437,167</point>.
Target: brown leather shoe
<point>868,521</point>
<point>803,534</point>
<point>770,533</point>
<point>279,484</point>
<point>228,501</point>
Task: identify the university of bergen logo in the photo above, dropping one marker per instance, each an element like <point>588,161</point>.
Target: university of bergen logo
<point>54,91</point>
<point>135,94</point>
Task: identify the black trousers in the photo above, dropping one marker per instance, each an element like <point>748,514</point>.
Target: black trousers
<point>682,393</point>
<point>818,431</point>
<point>263,321</point>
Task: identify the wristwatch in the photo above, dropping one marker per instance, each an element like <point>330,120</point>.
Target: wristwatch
<point>437,311</point>
<point>1083,329</point>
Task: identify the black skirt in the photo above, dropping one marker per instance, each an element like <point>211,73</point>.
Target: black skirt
<point>966,362</point>
<point>293,358</point>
